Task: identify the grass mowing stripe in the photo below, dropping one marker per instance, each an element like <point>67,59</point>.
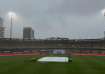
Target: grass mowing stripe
<point>14,67</point>
<point>58,68</point>
<point>85,66</point>
<point>98,64</point>
<point>94,64</point>
<point>7,65</point>
<point>45,68</point>
<point>74,67</point>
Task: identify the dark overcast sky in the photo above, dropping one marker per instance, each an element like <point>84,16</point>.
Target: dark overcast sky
<point>56,18</point>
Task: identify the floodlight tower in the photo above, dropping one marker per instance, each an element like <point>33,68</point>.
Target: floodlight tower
<point>11,15</point>
<point>103,13</point>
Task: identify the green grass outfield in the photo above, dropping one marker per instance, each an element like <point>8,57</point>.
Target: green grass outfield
<point>80,65</point>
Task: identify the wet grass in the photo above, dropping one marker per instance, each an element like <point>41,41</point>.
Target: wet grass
<point>80,65</point>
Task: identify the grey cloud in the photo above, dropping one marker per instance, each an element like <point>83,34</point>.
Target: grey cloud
<point>66,18</point>
<point>78,7</point>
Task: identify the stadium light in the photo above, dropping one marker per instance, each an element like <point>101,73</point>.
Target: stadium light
<point>103,12</point>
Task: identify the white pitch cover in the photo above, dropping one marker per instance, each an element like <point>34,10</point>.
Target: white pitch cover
<point>53,59</point>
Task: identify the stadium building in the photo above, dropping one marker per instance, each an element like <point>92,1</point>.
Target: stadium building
<point>28,33</point>
<point>1,28</point>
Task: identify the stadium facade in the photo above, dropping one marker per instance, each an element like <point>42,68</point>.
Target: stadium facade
<point>28,33</point>
<point>1,28</point>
